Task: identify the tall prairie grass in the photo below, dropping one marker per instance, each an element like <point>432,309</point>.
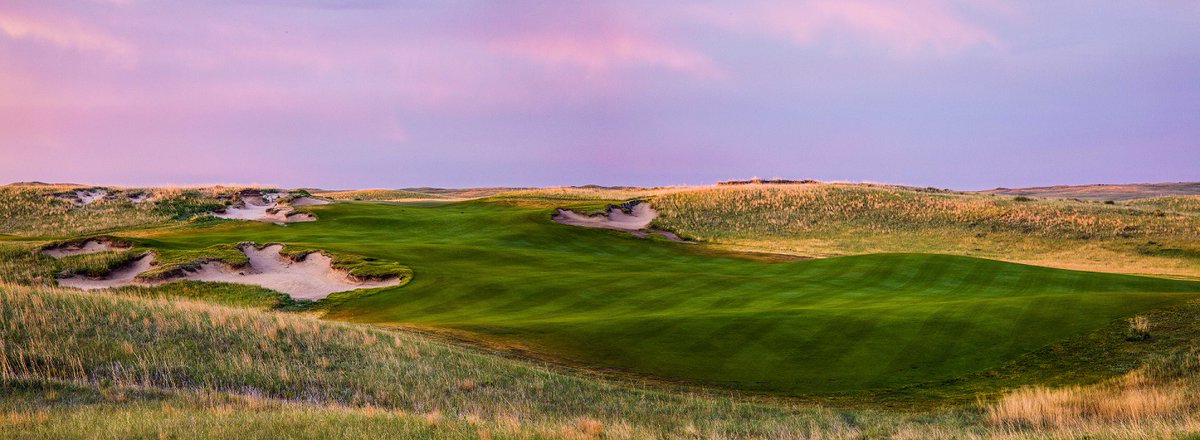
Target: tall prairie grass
<point>123,342</point>
<point>838,219</point>
<point>1159,400</point>
<point>39,211</point>
<point>110,365</point>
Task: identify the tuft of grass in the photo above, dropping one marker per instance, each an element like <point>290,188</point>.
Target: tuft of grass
<point>1139,329</point>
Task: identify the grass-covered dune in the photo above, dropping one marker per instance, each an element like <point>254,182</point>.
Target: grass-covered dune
<point>504,274</point>
<point>1158,236</point>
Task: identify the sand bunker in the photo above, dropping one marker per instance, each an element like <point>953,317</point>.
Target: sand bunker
<point>120,277</point>
<point>614,217</point>
<point>88,196</point>
<point>90,246</point>
<point>81,197</point>
<point>634,217</point>
<point>307,201</point>
<point>312,277</point>
<point>139,197</point>
<point>264,208</point>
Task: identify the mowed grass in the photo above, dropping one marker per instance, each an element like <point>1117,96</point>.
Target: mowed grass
<point>505,274</point>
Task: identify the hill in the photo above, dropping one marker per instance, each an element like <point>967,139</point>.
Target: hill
<point>1118,191</point>
<point>1149,236</point>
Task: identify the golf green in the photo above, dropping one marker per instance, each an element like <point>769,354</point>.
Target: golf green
<point>506,272</point>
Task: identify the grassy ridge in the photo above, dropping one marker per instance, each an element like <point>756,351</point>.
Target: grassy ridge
<point>507,274</point>
<point>841,219</point>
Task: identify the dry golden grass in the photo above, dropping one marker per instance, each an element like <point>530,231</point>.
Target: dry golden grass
<point>570,193</point>
<point>43,211</point>
<point>840,219</point>
<point>1131,406</point>
<point>128,366</point>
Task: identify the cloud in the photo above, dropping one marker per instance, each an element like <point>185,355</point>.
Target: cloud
<point>63,32</point>
<point>902,28</point>
<point>598,39</point>
<point>604,53</point>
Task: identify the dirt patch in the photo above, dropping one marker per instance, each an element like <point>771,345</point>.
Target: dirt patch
<point>311,276</point>
<point>89,246</point>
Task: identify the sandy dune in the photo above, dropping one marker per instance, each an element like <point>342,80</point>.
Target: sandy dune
<point>88,247</point>
<point>639,217</point>
<point>310,278</point>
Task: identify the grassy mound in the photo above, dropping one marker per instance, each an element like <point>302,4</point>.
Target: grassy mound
<point>844,219</point>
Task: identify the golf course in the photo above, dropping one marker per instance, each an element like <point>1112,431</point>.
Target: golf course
<point>716,316</point>
<point>506,274</point>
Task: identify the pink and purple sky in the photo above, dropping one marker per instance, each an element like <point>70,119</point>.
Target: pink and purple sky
<point>363,93</point>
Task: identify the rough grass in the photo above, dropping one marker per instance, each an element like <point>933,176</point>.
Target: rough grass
<point>1158,400</point>
<point>1177,204</point>
<point>841,219</point>
<point>80,365</point>
<point>36,211</point>
<point>117,342</point>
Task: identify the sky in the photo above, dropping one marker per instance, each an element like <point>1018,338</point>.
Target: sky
<point>458,93</point>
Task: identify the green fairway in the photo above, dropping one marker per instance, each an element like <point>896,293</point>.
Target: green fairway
<point>603,298</point>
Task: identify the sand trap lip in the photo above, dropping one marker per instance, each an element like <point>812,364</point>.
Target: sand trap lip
<point>89,246</point>
<point>311,277</point>
<point>119,277</point>
<point>614,217</point>
<point>264,207</point>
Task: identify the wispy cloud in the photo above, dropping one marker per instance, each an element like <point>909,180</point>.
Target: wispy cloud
<point>901,27</point>
<point>64,32</point>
